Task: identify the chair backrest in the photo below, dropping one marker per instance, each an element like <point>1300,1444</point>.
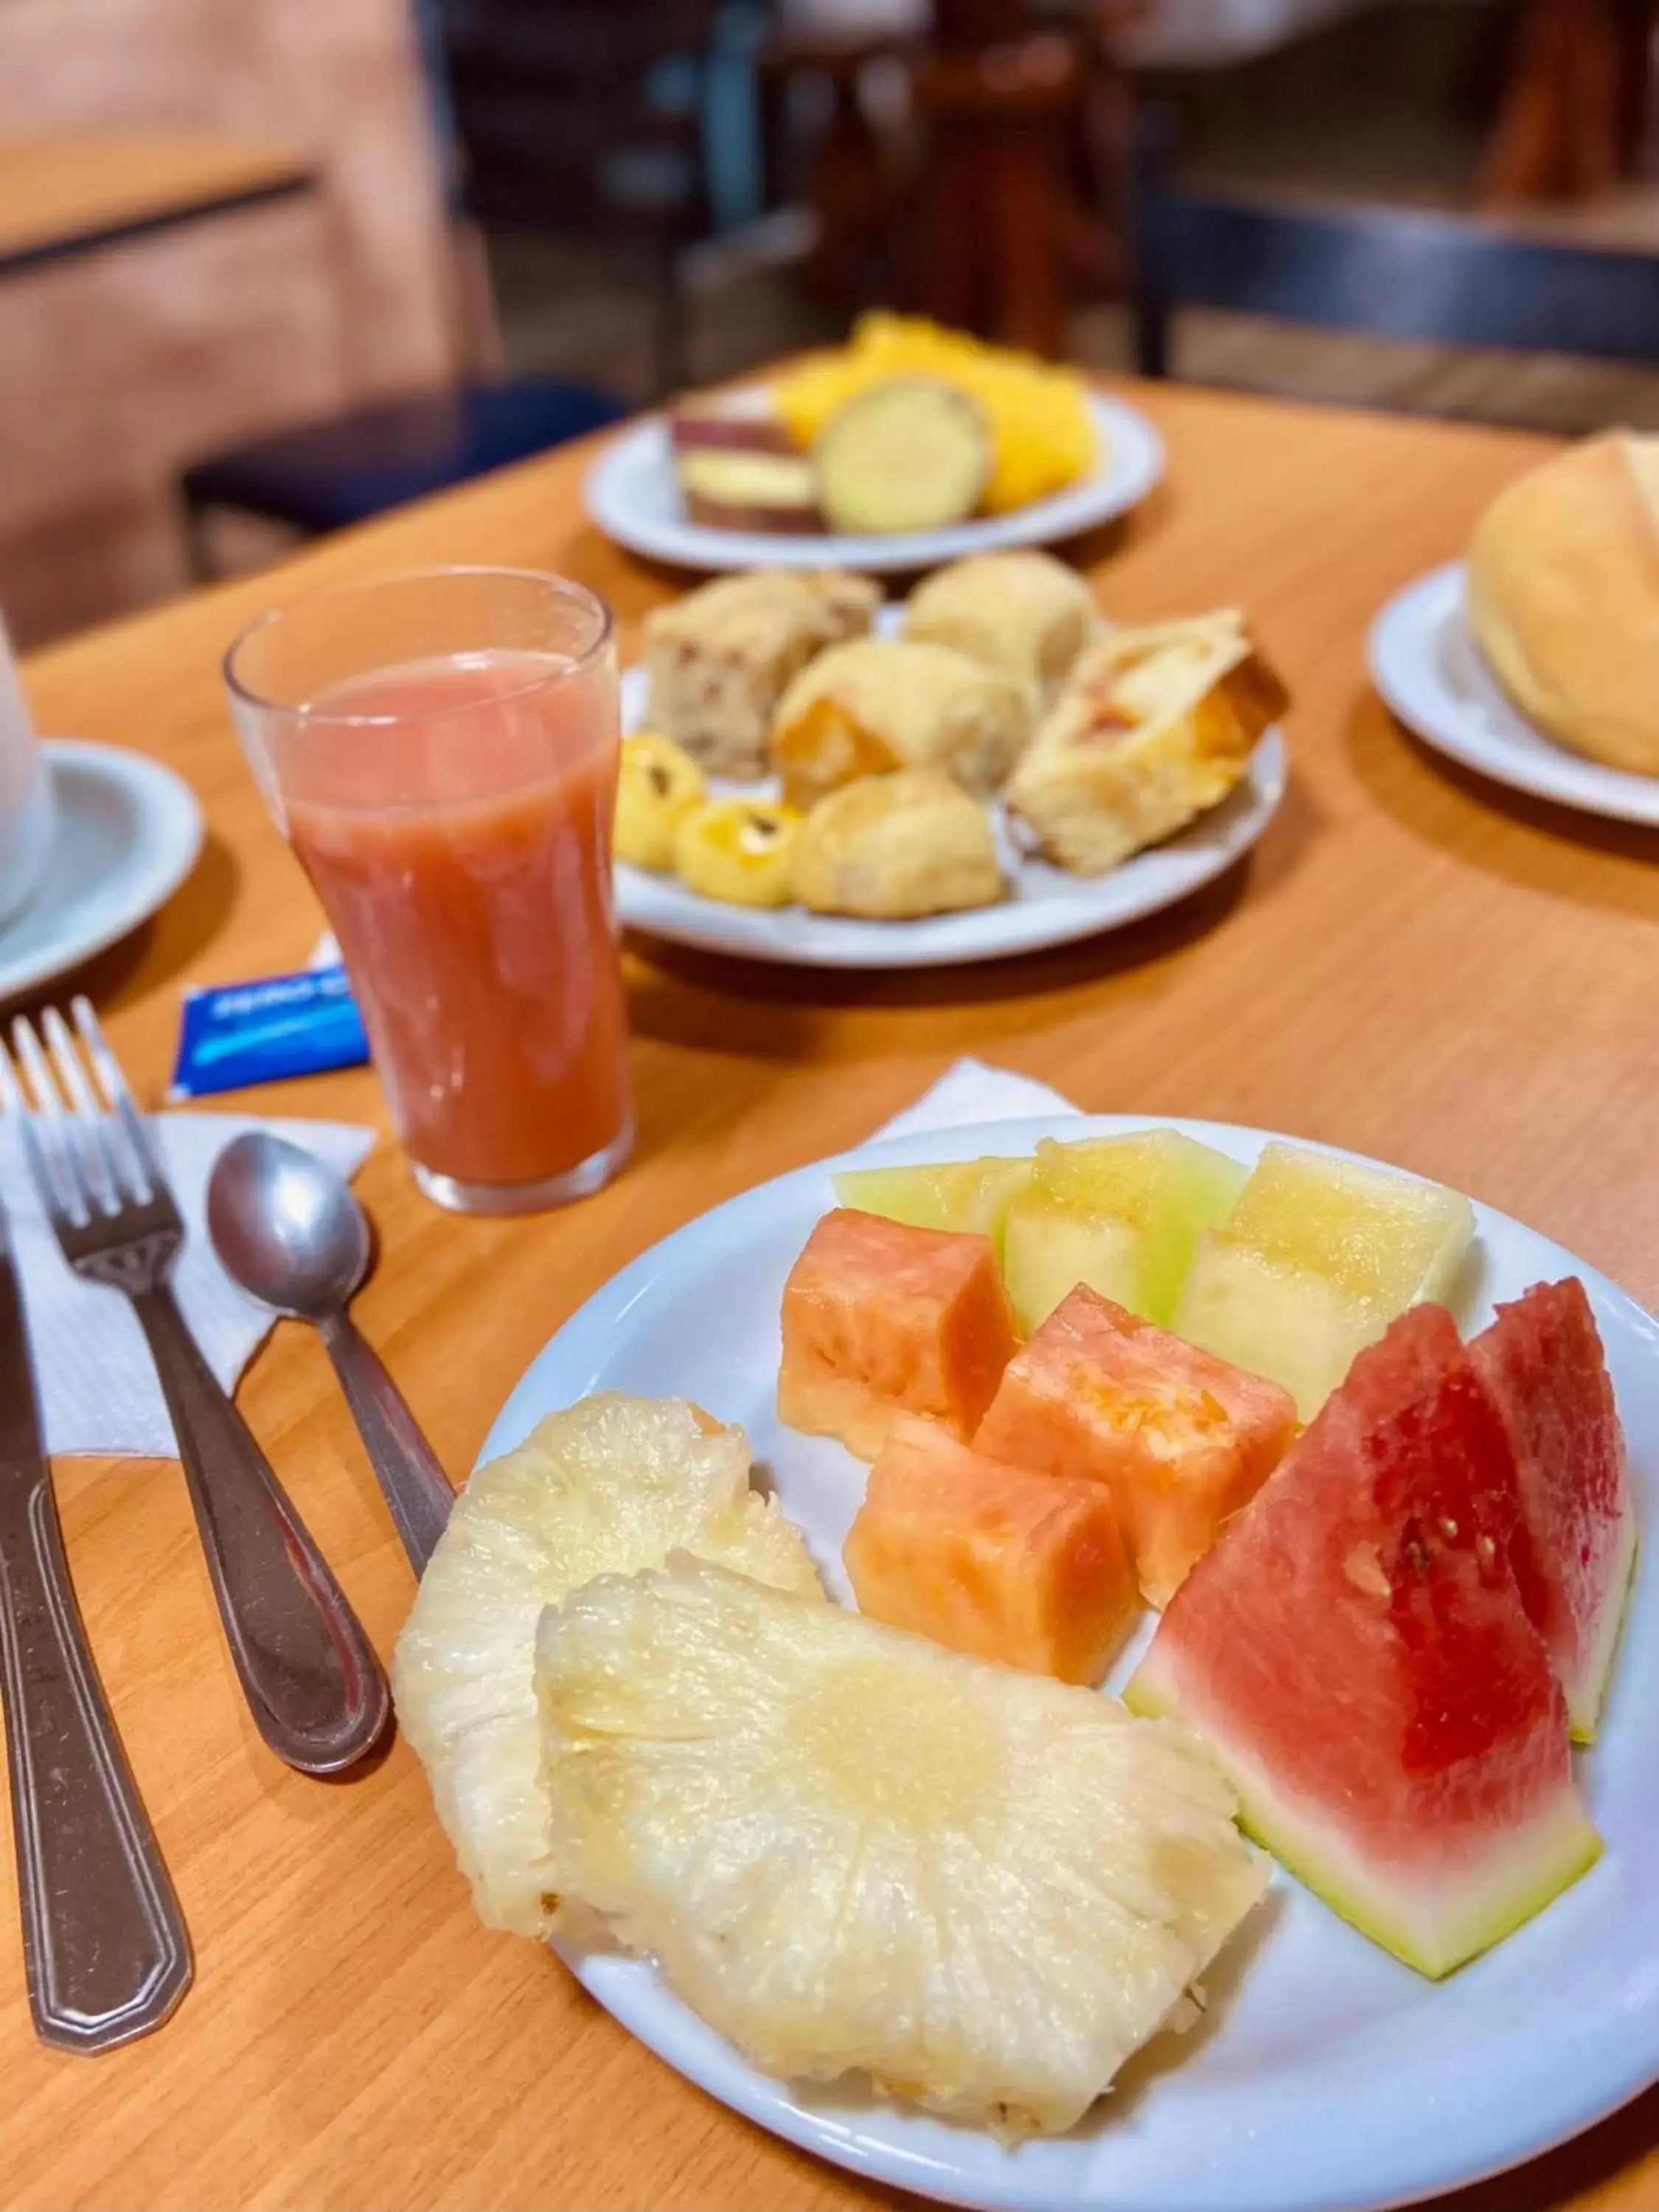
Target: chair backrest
<point>1389,271</point>
<point>585,110</point>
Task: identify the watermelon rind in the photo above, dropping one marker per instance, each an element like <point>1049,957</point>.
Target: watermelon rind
<point>1444,1925</point>
<point>1586,1697</point>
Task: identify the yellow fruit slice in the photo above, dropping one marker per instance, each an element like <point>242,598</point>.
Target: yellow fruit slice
<point>1318,1256</point>
<point>848,1848</point>
<point>613,1483</point>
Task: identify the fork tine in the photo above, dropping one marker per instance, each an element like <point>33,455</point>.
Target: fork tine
<point>53,1159</point>
<point>149,1178</point>
<point>90,1128</point>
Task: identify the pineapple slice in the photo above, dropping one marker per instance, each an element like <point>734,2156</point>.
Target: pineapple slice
<point>1121,1214</point>
<point>848,1848</point>
<point>612,1485</point>
<point>1318,1256</point>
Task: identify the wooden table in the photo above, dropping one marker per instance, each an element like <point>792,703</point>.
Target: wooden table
<point>1412,963</point>
<point>67,193</point>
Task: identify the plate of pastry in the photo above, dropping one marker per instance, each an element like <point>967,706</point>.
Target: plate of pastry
<point>811,776</point>
<point>1537,661</point>
<point>906,448</point>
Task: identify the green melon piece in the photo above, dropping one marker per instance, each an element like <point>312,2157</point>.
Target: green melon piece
<point>960,1195</point>
<point>1356,1654</point>
<point>1122,1215</point>
<point>1313,1262</point>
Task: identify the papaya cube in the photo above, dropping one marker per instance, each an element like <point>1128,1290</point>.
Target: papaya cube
<point>1029,1570</point>
<point>881,1317</point>
<point>1181,1439</point>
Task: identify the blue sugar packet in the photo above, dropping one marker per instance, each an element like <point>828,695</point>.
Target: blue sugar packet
<point>235,1034</point>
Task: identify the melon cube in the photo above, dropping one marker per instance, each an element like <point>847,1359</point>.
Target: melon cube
<point>1029,1570</point>
<point>1122,1215</point>
<point>1315,1260</point>
<point>965,1195</point>
<point>881,1317</point>
<point>1181,1439</point>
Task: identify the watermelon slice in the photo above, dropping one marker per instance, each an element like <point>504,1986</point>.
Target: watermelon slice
<point>1356,1654</point>
<point>1542,1361</point>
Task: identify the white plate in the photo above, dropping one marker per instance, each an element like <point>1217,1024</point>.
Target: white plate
<point>632,495</point>
<point>1046,906</point>
<point>126,835</point>
<point>1327,2075</point>
<point>1426,664</point>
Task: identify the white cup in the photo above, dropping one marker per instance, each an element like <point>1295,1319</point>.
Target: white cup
<point>26,807</point>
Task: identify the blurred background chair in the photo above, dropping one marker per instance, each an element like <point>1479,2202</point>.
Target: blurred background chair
<point>585,117</point>
<point>1392,273</point>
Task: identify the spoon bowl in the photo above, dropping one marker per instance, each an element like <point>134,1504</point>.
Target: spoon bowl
<point>288,1229</point>
<point>286,1226</point>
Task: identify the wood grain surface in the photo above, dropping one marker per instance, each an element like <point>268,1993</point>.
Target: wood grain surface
<point>60,191</point>
<point>1412,963</point>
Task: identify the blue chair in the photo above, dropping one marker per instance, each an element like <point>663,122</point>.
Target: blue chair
<point>323,476</point>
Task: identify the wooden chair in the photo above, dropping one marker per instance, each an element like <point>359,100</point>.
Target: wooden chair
<point>1390,273</point>
<point>556,122</point>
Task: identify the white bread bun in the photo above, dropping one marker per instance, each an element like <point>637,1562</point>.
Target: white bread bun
<point>1563,598</point>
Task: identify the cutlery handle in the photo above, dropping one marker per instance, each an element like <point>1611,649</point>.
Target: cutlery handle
<point>105,1954</point>
<point>316,1690</point>
<point>416,1488</point>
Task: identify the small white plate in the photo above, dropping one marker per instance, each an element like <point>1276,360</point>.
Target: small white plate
<point>1327,2073</point>
<point>126,835</point>
<point>1426,664</point>
<point>1046,906</point>
<point>632,495</point>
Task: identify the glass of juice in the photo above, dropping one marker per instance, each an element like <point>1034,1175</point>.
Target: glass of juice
<point>439,749</point>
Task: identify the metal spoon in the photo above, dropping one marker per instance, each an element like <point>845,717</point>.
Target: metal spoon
<point>288,1229</point>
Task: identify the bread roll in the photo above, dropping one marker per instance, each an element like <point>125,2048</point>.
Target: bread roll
<point>878,704</point>
<point>1024,612</point>
<point>1563,598</point>
<point>895,847</point>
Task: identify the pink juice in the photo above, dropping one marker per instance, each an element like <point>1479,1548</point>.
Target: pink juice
<point>461,843</point>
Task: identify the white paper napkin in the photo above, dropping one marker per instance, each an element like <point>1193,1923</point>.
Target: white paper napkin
<point>92,1372</point>
<point>970,1091</point>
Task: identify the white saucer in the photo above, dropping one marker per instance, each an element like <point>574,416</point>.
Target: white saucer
<point>1426,664</point>
<point>127,835</point>
<point>632,495</point>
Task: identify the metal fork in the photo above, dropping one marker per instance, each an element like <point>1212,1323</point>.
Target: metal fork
<point>314,1687</point>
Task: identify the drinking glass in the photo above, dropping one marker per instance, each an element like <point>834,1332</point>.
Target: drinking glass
<point>439,749</point>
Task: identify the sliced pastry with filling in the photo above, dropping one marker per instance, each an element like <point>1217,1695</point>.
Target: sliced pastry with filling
<point>1154,727</point>
<point>877,704</point>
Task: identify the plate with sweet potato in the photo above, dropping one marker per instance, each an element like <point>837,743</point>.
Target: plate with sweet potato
<point>909,447</point>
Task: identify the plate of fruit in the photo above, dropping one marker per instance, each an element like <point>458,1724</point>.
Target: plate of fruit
<point>1074,1663</point>
<point>908,446</point>
<point>809,776</point>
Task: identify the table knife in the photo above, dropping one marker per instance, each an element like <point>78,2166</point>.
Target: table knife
<point>105,1954</point>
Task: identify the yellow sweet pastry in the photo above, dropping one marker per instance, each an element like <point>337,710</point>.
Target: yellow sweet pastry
<point>738,851</point>
<point>877,704</point>
<point>895,847</point>
<point>658,784</point>
<point>1022,612</point>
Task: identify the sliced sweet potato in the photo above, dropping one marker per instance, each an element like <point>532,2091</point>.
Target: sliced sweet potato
<point>909,454</point>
